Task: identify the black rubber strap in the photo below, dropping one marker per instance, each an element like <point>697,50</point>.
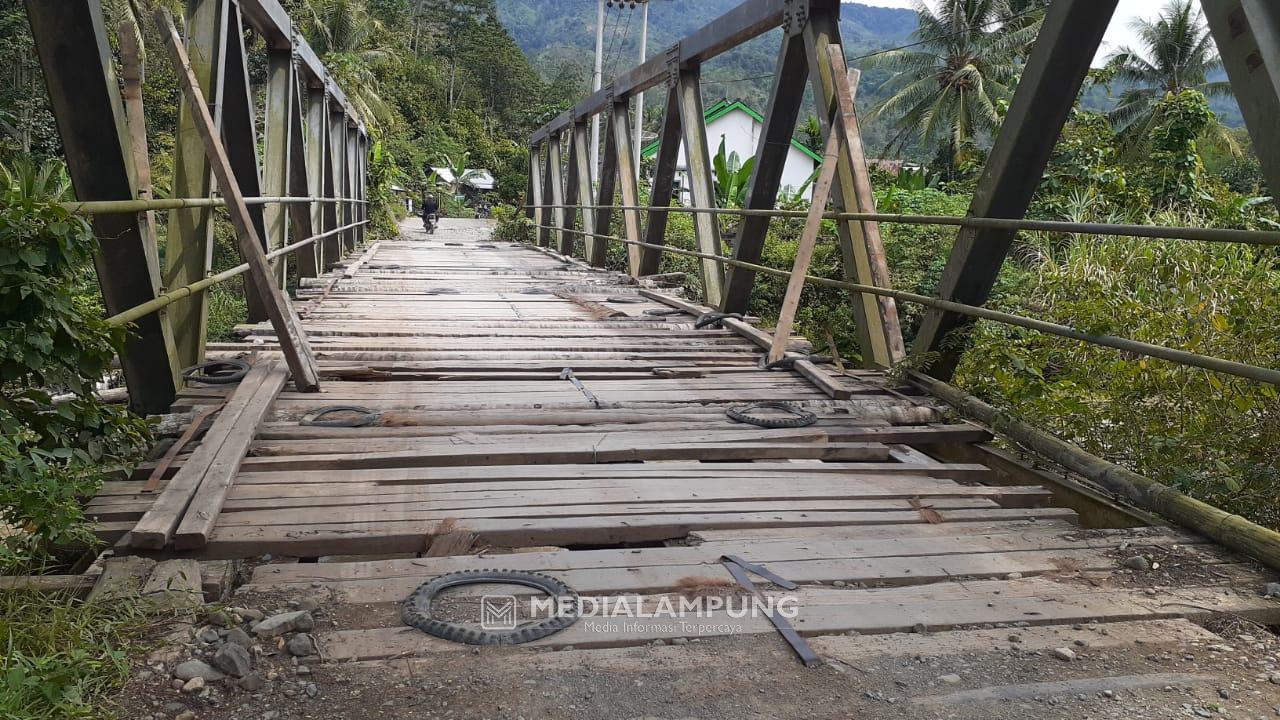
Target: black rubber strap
<point>364,416</point>
<point>789,363</point>
<point>217,372</point>
<point>739,570</point>
<point>713,319</point>
<point>626,299</point>
<point>664,312</point>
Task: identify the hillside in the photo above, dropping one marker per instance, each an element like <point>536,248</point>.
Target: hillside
<point>559,40</point>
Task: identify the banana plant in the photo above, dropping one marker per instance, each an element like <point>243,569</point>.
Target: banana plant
<point>732,176</point>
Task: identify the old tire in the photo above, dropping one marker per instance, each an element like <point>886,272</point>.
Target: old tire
<point>417,609</point>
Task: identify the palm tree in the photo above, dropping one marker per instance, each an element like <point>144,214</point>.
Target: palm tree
<point>346,36</point>
<point>1177,53</point>
<point>947,87</point>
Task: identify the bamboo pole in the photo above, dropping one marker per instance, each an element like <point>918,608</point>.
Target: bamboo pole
<point>1231,530</point>
<point>1244,237</point>
<point>1182,357</point>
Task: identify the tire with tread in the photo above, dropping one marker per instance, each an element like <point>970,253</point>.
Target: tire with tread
<point>417,608</point>
<point>801,417</point>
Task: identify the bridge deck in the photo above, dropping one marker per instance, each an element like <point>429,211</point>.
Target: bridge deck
<point>638,482</point>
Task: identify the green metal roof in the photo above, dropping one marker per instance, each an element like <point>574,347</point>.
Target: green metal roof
<point>719,109</point>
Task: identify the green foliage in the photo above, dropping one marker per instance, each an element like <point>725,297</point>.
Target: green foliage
<point>52,340</point>
<point>62,659</point>
<point>1212,435</point>
<point>948,89</point>
<point>731,177</point>
<point>512,225</point>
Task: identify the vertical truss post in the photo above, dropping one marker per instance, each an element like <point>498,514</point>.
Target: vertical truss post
<point>362,185</point>
<point>75,56</point>
<point>533,189</point>
<point>603,214</point>
<point>1069,38</point>
<point>702,192</point>
<point>771,157</point>
<point>820,33</point>
<point>324,213</point>
<point>664,176</point>
<point>854,156</point>
<point>556,183</point>
<point>132,75</point>
<point>188,254</point>
<point>289,335</point>
<point>276,121</point>
<point>240,135</point>
<point>1247,33</point>
<point>581,185</point>
<point>351,237</point>
<point>629,178</point>
<point>337,163</point>
<point>302,218</point>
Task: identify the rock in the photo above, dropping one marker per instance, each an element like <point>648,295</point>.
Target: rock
<point>209,635</point>
<point>1013,576</point>
<point>1272,590</point>
<point>296,621</point>
<point>1015,638</point>
<point>680,641</point>
<point>310,604</point>
<point>1064,654</point>
<point>311,690</point>
<point>174,707</point>
<point>237,636</point>
<point>301,645</point>
<point>949,678</point>
<point>185,715</point>
<point>1137,562</point>
<point>194,685</point>
<point>920,628</point>
<point>248,613</point>
<point>1275,678</point>
<point>197,668</point>
<point>233,660</point>
<point>270,715</point>
<point>253,682</point>
<point>839,583</point>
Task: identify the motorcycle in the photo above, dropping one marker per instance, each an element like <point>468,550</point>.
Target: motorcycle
<point>429,222</point>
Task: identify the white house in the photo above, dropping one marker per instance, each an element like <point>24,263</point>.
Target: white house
<point>740,127</point>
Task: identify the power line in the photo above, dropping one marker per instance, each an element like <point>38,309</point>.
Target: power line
<point>626,33</point>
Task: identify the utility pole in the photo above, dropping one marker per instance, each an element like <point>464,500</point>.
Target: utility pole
<point>638,126</point>
<point>595,83</point>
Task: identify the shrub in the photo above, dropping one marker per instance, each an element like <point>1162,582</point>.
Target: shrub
<point>512,225</point>
<point>52,340</point>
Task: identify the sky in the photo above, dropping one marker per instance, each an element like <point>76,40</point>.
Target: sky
<point>1117,34</point>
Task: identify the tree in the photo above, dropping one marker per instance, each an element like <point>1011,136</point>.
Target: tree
<point>348,38</point>
<point>948,87</point>
<point>1177,53</point>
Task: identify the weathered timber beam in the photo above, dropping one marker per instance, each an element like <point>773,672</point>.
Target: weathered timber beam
<point>548,196</point>
<point>556,183</point>
<point>821,34</point>
<point>188,255</point>
<point>293,343</point>
<point>751,18</point>
<point>352,167</point>
<point>337,137</point>
<point>697,158</point>
<point>275,167</point>
<point>1247,33</point>
<point>629,177</point>
<point>240,138</point>
<point>302,218</point>
<point>581,184</point>
<point>75,56</point>
<point>772,148</point>
<point>664,175</point>
<point>1069,38</point>
<point>533,188</point>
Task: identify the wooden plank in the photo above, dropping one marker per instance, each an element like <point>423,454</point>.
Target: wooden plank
<point>283,319</point>
<point>156,527</point>
<point>356,536</point>
<point>197,523</point>
<point>175,584</point>
<point>628,178</point>
<point>122,578</point>
<point>808,241</point>
<point>867,612</point>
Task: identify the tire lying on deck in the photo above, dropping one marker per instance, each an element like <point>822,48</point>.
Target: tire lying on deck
<point>417,609</point>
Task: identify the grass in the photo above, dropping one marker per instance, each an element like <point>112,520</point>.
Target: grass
<point>62,658</point>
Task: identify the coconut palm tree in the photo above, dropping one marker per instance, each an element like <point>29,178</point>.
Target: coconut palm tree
<point>346,36</point>
<point>1176,54</point>
<point>948,85</point>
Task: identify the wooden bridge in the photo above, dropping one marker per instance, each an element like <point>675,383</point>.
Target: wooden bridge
<point>519,407</point>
